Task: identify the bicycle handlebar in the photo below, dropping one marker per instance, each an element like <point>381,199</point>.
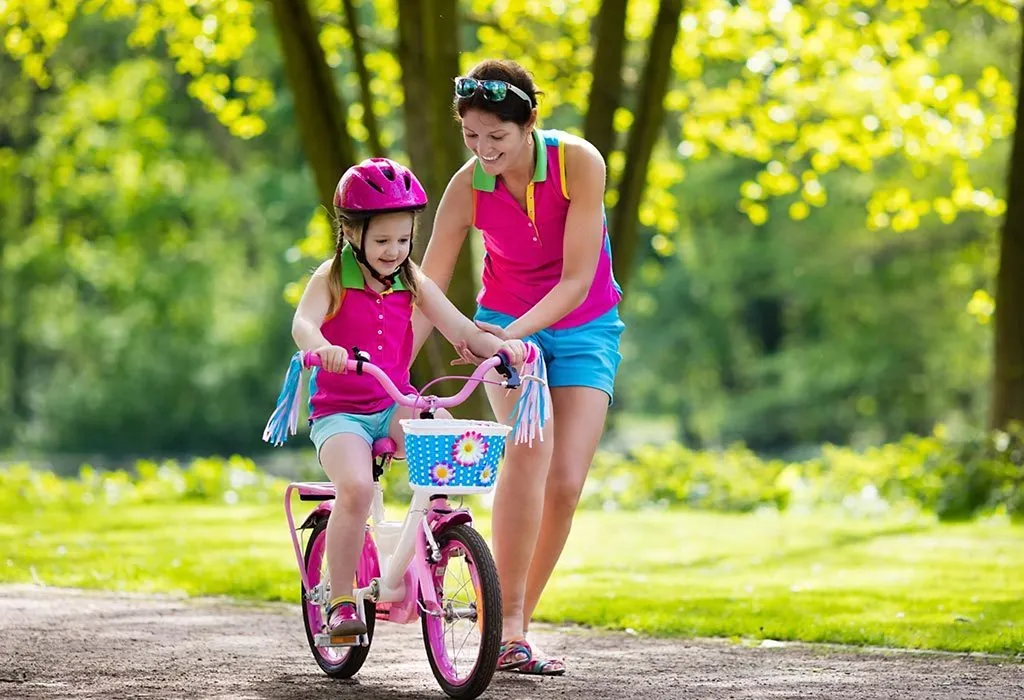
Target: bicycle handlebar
<point>418,401</point>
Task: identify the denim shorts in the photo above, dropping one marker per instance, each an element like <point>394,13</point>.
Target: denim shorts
<point>370,426</point>
<point>585,355</point>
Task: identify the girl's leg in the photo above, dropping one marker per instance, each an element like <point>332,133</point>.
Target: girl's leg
<point>346,460</point>
<point>581,414</point>
<point>402,412</point>
<point>518,503</point>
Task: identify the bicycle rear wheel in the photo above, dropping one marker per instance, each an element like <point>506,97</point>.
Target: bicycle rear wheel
<point>462,642</point>
<point>337,662</point>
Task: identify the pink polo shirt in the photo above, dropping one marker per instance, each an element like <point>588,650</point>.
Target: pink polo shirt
<point>380,324</point>
<point>524,249</point>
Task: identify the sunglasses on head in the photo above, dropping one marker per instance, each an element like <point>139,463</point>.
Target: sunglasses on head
<point>493,90</point>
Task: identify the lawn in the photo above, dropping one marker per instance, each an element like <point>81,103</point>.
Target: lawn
<point>901,583</point>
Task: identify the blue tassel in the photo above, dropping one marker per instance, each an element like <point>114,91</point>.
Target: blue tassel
<point>285,418</point>
<point>533,409</point>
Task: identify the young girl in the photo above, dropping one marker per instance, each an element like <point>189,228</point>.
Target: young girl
<point>363,299</point>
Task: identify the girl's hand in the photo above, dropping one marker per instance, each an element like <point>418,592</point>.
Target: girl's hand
<point>332,358</point>
<point>516,351</point>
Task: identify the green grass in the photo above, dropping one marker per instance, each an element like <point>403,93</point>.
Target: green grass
<point>815,578</point>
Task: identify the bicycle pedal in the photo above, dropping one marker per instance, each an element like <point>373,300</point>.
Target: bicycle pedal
<point>326,640</point>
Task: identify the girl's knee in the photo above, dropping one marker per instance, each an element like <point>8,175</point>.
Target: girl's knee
<point>354,495</point>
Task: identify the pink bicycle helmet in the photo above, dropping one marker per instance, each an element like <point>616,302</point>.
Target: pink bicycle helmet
<point>379,185</point>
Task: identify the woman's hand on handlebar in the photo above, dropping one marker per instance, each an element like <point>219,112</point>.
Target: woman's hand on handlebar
<point>515,349</point>
<point>333,358</point>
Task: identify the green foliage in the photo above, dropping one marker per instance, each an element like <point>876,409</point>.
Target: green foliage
<point>955,479</point>
<point>846,298</point>
<point>231,481</point>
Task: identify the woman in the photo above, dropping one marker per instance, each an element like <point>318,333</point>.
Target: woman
<point>538,198</point>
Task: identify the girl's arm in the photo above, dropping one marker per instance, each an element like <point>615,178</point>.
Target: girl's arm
<point>452,222</point>
<point>309,316</point>
<point>581,249</point>
<point>311,311</point>
<point>442,313</point>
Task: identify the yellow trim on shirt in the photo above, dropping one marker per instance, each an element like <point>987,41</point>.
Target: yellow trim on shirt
<point>531,205</point>
<point>561,168</point>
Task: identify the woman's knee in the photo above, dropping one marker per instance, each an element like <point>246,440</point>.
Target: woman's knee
<point>527,462</point>
<point>564,487</point>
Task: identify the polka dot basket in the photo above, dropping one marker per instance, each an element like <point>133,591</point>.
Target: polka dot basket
<point>453,456</point>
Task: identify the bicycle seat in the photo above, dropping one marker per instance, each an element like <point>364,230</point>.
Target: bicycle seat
<point>384,446</point>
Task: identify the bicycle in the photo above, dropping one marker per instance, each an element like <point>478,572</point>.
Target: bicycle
<point>404,570</point>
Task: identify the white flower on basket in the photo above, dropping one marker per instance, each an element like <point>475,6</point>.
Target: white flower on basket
<point>442,473</point>
<point>469,449</point>
<point>486,476</point>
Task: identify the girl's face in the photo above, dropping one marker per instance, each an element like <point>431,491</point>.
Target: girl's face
<point>496,143</point>
<point>388,241</point>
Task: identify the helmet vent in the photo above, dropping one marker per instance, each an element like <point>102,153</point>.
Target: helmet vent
<point>374,185</point>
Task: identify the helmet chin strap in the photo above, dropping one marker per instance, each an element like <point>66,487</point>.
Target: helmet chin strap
<point>387,280</point>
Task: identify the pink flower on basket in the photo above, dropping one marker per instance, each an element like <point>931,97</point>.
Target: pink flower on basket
<point>442,473</point>
<point>469,449</point>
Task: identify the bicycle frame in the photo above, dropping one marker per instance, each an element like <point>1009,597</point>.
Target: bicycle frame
<point>402,549</point>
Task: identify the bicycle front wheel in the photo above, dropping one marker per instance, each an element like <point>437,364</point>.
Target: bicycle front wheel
<point>463,641</point>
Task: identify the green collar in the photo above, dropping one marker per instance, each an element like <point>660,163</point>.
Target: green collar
<point>352,272</point>
<point>485,183</point>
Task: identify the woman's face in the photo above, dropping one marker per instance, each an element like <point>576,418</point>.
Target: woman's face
<point>388,241</point>
<point>496,143</point>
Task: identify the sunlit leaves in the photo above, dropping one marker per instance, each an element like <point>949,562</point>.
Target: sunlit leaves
<point>827,85</point>
<point>203,37</point>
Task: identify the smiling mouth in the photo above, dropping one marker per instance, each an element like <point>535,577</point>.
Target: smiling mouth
<point>491,160</point>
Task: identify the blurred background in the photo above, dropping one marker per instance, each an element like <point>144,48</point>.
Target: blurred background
<point>805,203</point>
<point>815,211</point>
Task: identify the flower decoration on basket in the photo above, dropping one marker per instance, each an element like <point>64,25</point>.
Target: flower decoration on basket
<point>469,449</point>
<point>442,474</point>
<point>486,477</point>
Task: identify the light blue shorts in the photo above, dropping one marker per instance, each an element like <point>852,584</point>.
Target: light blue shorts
<point>586,355</point>
<point>370,426</point>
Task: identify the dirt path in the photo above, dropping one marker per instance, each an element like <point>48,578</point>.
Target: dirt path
<point>73,644</point>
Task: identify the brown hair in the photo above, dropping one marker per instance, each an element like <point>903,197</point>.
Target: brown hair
<point>512,108</point>
<point>356,225</point>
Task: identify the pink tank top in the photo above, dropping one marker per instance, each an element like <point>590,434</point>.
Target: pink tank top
<point>523,259</point>
<point>380,324</point>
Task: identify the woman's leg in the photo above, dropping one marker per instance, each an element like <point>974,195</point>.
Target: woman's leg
<point>518,502</point>
<point>346,460</point>
<point>581,414</point>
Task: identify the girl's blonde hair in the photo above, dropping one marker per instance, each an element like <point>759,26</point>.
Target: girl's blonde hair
<point>356,226</point>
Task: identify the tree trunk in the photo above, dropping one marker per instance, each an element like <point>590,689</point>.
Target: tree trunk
<point>319,110</point>
<point>650,114</point>
<point>1008,379</point>
<point>606,88</point>
<point>359,57</point>
<point>428,50</point>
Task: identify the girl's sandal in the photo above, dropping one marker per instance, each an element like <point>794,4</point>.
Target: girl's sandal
<point>513,654</point>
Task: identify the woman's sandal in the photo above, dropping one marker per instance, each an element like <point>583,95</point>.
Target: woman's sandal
<point>542,667</point>
<point>513,654</point>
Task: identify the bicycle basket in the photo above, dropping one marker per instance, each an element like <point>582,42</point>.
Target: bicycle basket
<point>453,456</point>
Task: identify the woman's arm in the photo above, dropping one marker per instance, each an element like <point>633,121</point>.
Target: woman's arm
<point>581,249</point>
<point>452,222</point>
